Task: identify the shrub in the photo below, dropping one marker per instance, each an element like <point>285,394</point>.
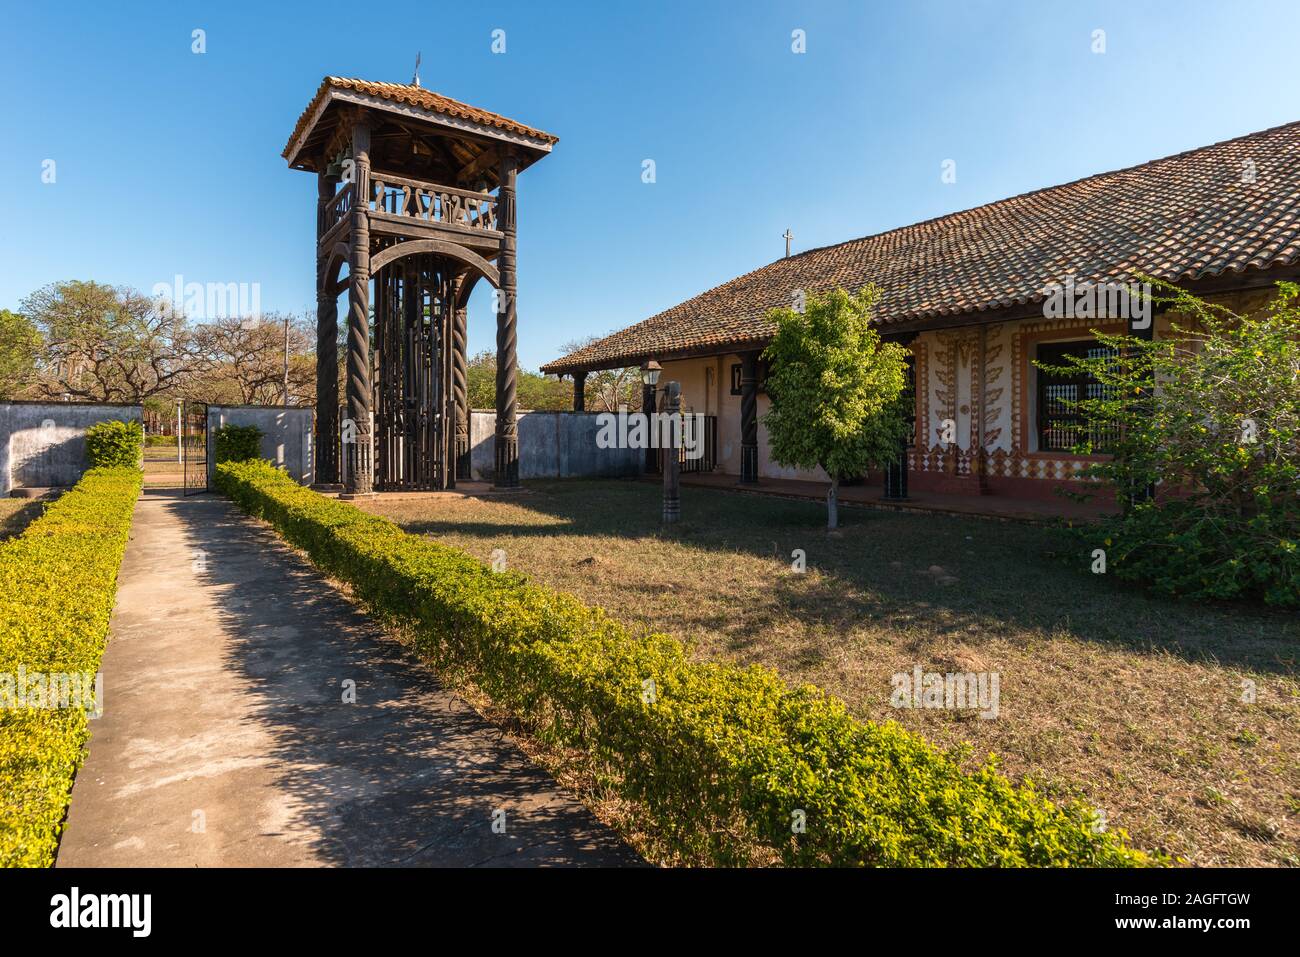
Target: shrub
<point>719,760</point>
<point>114,444</point>
<point>57,586</point>
<point>237,443</point>
<point>1219,438</point>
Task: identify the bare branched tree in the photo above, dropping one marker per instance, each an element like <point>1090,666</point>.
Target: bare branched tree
<point>107,344</point>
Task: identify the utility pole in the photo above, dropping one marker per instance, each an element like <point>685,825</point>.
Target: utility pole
<point>286,360</point>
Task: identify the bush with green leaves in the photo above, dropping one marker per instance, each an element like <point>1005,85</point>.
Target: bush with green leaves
<point>114,444</point>
<point>58,581</point>
<point>1208,416</point>
<point>237,443</point>
<point>836,389</point>
<point>723,765</point>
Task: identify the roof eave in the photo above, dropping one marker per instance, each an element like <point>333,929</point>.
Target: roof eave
<point>532,148</point>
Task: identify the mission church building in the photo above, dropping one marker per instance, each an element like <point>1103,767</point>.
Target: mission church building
<point>978,296</point>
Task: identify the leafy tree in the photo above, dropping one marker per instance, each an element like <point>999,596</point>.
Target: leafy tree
<point>20,344</point>
<point>107,344</point>
<point>1218,437</point>
<point>533,391</point>
<point>836,389</point>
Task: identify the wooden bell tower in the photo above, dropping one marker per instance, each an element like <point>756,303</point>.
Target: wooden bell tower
<point>416,196</point>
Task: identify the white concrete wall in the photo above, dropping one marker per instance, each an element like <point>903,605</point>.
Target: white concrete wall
<point>43,444</point>
<point>286,436</point>
<point>551,445</point>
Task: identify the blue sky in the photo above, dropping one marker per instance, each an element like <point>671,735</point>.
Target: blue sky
<point>169,162</point>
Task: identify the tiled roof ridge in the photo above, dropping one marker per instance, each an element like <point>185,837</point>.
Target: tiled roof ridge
<point>413,95</point>
<point>1025,195</point>
<point>1195,227</point>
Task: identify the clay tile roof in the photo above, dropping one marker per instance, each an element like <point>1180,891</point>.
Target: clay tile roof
<point>416,96</point>
<point>1184,217</point>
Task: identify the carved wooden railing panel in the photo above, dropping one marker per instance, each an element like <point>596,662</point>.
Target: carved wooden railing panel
<point>337,208</point>
<point>430,203</point>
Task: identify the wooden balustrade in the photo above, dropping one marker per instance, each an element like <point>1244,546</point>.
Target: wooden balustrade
<point>337,208</point>
<point>458,208</point>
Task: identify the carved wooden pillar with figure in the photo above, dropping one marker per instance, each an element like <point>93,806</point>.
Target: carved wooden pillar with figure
<point>749,418</point>
<point>327,346</point>
<point>359,452</point>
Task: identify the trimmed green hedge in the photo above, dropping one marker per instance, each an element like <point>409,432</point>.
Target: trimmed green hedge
<point>114,444</point>
<point>57,586</point>
<point>722,760</point>
<point>237,443</point>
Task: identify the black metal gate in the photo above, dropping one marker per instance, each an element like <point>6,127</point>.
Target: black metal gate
<point>700,433</point>
<point>194,446</point>
<point>412,321</point>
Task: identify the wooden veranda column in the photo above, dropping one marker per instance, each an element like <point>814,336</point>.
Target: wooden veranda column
<point>360,452</point>
<point>648,407</point>
<point>749,418</point>
<point>460,391</point>
<point>506,474</point>
<point>896,471</point>
<point>327,350</point>
<point>580,392</point>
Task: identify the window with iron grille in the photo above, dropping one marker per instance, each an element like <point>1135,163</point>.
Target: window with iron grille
<point>1061,425</point>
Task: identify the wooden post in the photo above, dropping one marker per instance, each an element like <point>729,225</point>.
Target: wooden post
<point>672,467</point>
<point>459,377</point>
<point>896,470</point>
<point>327,350</point>
<point>506,474</point>
<point>580,392</point>
<point>359,480</point>
<point>648,408</point>
<point>749,418</point>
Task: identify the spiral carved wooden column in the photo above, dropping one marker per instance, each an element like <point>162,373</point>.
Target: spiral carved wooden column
<point>507,435</point>
<point>580,392</point>
<point>327,351</point>
<point>749,418</point>
<point>459,389</point>
<point>360,475</point>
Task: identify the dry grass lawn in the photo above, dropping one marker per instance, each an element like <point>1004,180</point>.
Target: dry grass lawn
<point>1131,702</point>
<point>16,514</point>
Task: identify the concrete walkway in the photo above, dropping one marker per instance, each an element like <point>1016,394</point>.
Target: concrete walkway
<point>225,739</point>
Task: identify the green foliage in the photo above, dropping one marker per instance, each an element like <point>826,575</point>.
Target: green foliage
<point>718,760</point>
<point>20,344</point>
<point>115,444</point>
<point>57,586</point>
<point>533,392</point>
<point>107,344</point>
<point>835,387</point>
<point>1219,437</point>
<point>237,443</point>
